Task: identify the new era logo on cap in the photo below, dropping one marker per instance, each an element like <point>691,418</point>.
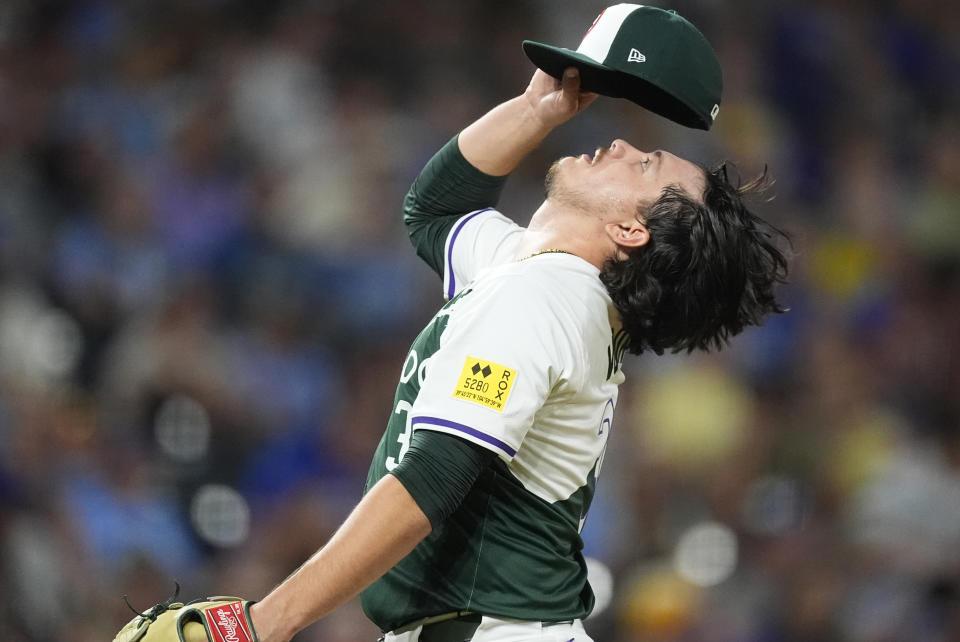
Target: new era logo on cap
<point>635,56</point>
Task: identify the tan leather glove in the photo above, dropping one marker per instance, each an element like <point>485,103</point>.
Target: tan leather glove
<point>216,619</point>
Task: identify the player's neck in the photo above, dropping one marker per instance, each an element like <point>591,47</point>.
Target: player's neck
<point>555,229</point>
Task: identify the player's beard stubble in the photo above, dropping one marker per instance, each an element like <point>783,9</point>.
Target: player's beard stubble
<point>557,190</point>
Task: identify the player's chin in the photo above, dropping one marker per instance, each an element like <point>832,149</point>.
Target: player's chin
<point>550,180</point>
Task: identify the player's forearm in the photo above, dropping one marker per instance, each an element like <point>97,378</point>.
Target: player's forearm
<point>381,531</point>
<point>497,142</point>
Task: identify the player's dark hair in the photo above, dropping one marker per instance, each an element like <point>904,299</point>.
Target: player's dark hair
<point>708,270</point>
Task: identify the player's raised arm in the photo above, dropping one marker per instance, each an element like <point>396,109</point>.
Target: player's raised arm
<point>469,172</point>
<point>497,142</point>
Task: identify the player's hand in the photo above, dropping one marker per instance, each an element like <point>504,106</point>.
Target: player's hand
<point>556,101</point>
<point>212,620</point>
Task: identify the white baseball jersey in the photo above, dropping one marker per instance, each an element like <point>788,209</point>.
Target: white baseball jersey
<point>523,360</point>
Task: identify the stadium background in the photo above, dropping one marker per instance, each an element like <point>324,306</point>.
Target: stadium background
<point>206,296</point>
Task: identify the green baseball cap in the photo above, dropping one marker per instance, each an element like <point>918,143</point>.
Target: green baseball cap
<point>650,56</point>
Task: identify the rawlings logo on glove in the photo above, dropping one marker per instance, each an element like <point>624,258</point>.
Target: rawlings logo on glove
<point>229,623</point>
<point>216,619</point>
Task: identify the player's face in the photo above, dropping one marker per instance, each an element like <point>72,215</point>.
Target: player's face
<point>618,178</point>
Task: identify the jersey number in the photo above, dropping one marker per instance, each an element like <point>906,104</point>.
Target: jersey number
<point>403,406</point>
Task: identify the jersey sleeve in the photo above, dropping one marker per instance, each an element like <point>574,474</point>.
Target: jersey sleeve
<point>439,470</point>
<point>446,188</point>
<point>479,240</point>
<point>495,368</point>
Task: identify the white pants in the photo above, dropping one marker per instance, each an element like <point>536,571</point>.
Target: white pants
<point>494,629</point>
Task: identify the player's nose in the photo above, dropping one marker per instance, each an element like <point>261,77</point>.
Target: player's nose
<point>622,149</point>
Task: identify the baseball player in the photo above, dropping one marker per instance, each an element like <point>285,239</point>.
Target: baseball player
<point>469,527</point>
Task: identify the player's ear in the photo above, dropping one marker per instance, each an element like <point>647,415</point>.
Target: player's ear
<point>628,234</point>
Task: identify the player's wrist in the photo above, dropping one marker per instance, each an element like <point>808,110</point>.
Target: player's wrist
<point>535,116</point>
<point>268,627</point>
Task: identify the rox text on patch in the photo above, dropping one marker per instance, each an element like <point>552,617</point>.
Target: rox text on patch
<point>485,382</point>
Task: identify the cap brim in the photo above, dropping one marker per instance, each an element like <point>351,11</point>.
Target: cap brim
<point>594,77</point>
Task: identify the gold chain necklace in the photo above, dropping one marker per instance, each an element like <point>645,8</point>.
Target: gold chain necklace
<point>551,250</point>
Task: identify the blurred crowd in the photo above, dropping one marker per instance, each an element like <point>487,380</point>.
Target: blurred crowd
<point>206,295</point>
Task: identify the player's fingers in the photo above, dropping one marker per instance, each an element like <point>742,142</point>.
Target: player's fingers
<point>542,84</point>
<point>570,82</point>
<point>568,98</point>
<point>571,95</point>
<point>557,99</point>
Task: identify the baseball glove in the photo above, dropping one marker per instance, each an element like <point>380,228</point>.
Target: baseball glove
<point>216,619</point>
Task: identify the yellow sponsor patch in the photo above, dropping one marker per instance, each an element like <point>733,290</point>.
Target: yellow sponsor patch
<point>486,383</point>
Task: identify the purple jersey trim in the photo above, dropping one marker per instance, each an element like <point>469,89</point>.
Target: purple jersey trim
<point>452,287</point>
<point>473,432</point>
